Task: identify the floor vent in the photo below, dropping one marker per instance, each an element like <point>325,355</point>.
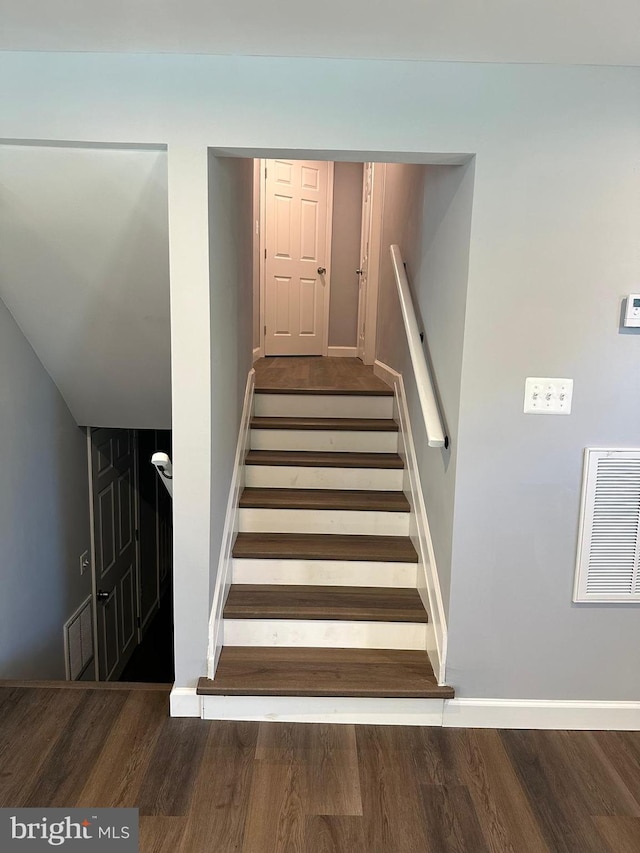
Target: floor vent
<point>78,641</point>
<point>608,562</point>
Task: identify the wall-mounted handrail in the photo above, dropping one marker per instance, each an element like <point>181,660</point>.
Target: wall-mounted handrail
<point>436,436</point>
<point>164,468</point>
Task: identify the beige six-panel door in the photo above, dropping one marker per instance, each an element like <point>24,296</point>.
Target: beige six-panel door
<point>297,235</point>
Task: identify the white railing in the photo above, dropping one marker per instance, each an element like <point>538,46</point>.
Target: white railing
<point>164,468</point>
<point>436,436</point>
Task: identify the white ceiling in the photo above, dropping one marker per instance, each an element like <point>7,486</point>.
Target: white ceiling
<point>557,31</point>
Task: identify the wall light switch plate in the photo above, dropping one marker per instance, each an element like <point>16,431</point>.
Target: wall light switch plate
<point>85,562</point>
<point>547,396</point>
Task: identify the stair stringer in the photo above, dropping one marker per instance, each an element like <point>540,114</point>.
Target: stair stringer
<point>428,579</point>
<point>231,527</point>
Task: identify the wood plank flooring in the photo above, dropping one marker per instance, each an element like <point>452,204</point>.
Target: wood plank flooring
<point>294,788</point>
<point>345,424</point>
<point>287,671</point>
<point>320,546</point>
<point>348,603</point>
<point>298,374</point>
<point>324,499</point>
<point>323,459</point>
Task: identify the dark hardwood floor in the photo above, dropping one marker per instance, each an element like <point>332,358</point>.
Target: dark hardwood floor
<point>345,424</point>
<point>291,374</point>
<point>325,499</point>
<point>299,671</point>
<point>320,546</point>
<point>287,788</point>
<point>348,603</point>
<point>323,459</point>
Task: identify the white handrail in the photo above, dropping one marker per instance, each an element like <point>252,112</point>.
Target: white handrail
<point>433,422</point>
<point>165,469</point>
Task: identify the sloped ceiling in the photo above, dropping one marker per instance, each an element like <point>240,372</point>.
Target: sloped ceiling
<point>547,31</point>
<point>84,270</point>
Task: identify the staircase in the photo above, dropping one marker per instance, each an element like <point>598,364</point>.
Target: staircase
<point>324,605</point>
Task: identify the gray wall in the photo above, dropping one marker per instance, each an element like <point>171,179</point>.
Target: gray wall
<point>438,269</point>
<point>513,629</point>
<point>231,285</point>
<point>427,212</point>
<point>401,222</point>
<point>554,248</point>
<point>345,254</point>
<point>44,512</point>
<point>84,269</point>
<point>422,215</point>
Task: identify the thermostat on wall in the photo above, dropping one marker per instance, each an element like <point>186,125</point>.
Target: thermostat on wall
<point>632,310</point>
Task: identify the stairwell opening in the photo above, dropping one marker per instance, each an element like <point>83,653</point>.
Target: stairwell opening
<point>423,205</point>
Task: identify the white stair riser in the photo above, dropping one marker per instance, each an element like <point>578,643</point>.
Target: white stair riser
<point>325,572</point>
<point>346,441</point>
<point>325,709</point>
<point>363,522</point>
<point>322,406</point>
<point>298,477</point>
<point>319,633</point>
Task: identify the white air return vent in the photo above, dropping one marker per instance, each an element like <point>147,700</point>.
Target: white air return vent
<point>78,641</point>
<point>608,566</point>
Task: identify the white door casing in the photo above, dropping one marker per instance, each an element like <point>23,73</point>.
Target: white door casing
<point>370,248</point>
<point>363,271</point>
<point>298,196</point>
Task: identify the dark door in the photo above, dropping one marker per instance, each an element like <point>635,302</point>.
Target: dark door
<point>115,564</point>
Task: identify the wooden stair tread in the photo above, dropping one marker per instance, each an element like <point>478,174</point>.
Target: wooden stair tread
<point>344,424</point>
<point>378,673</point>
<point>323,459</point>
<point>324,499</point>
<point>323,546</point>
<point>334,392</point>
<point>369,604</point>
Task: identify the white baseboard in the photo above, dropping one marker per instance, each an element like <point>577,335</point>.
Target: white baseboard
<point>342,352</point>
<point>324,709</point>
<point>568,715</point>
<point>231,527</point>
<point>257,353</point>
<point>428,580</point>
<point>541,714</point>
<point>384,372</point>
<point>185,702</point>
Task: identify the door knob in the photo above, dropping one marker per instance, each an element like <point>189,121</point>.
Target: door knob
<point>321,270</point>
<point>102,596</point>
<point>359,272</point>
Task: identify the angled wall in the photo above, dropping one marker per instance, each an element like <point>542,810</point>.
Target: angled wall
<point>84,271</point>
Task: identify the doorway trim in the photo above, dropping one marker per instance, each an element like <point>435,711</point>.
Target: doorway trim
<point>376,205</point>
<point>263,248</point>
